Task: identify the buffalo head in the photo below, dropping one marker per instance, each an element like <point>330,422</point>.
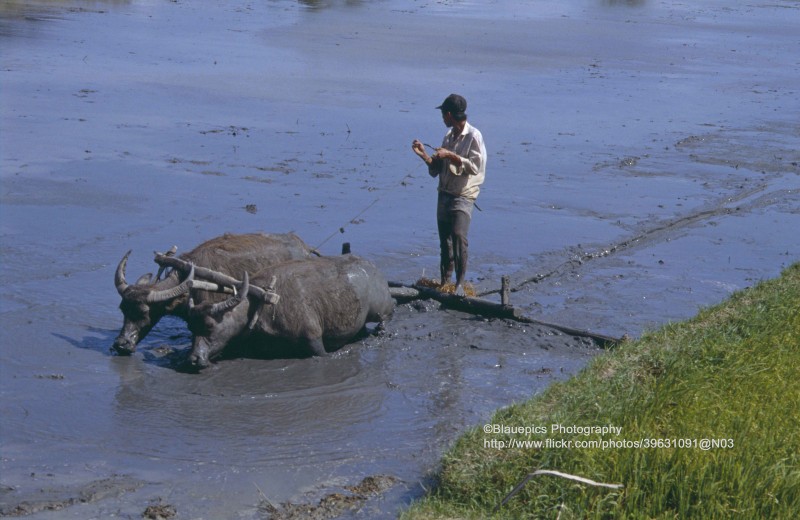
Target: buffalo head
<point>144,303</point>
<point>213,325</point>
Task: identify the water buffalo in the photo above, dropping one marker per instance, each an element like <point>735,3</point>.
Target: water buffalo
<point>144,303</point>
<point>307,303</point>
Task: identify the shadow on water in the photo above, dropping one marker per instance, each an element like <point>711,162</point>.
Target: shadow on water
<point>317,5</point>
<point>172,355</point>
<point>161,355</point>
<point>100,342</point>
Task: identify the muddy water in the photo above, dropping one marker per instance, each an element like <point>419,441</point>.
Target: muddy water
<point>643,164</point>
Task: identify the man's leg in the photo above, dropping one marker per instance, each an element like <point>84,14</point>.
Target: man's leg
<point>445,250</point>
<point>460,229</point>
<point>444,222</point>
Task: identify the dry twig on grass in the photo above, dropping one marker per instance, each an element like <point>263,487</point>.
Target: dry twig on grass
<point>576,478</point>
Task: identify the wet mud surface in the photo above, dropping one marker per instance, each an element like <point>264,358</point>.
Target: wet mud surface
<point>643,163</point>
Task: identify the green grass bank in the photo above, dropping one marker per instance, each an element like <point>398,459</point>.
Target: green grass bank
<point>716,398</point>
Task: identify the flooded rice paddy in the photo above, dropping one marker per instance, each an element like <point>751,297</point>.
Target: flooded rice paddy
<point>643,163</point>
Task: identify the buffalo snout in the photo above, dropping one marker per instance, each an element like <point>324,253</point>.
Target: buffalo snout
<point>124,345</point>
<point>198,361</point>
<point>199,356</point>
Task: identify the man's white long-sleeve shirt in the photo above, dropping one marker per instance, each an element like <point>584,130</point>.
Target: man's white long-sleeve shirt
<point>464,180</point>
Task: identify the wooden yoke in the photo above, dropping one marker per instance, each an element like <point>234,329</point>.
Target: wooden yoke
<point>221,280</point>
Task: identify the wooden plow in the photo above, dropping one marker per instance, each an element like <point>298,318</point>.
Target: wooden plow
<point>211,280</point>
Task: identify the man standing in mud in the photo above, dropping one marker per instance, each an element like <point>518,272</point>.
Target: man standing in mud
<point>460,164</point>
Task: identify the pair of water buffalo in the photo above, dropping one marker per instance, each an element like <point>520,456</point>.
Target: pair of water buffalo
<point>292,296</point>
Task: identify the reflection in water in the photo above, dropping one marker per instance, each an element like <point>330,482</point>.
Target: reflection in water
<point>13,11</point>
<point>630,3</point>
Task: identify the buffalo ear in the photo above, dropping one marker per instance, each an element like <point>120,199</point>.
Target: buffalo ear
<point>144,279</point>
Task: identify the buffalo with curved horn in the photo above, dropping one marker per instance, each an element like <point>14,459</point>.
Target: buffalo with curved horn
<point>145,302</point>
<point>309,304</point>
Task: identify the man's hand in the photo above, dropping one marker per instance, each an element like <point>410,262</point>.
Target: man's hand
<point>443,153</point>
<point>419,149</point>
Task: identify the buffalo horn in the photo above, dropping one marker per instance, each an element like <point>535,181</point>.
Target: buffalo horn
<point>174,292</point>
<point>119,276</point>
<point>212,287</point>
<point>233,301</point>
